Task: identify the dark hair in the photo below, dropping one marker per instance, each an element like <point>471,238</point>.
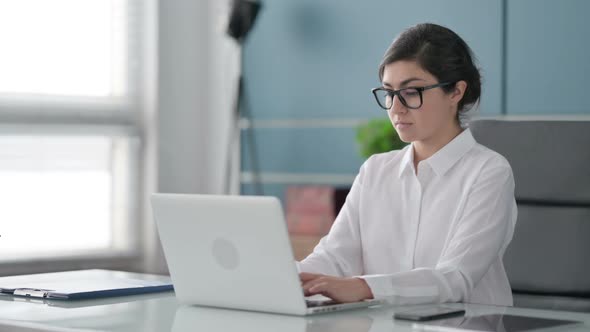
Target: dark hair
<point>443,54</point>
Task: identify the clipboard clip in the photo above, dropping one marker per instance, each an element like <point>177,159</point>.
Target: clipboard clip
<point>32,292</point>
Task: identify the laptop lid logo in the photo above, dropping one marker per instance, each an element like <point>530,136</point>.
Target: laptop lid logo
<point>225,253</point>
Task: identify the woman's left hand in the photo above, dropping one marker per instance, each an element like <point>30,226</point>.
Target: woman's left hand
<point>342,290</point>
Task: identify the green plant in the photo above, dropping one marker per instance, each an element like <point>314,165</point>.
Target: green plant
<point>377,136</point>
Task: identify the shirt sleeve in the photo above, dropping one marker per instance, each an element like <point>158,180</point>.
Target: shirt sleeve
<point>480,239</point>
<point>339,253</point>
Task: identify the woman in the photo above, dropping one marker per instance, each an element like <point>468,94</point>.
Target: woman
<point>428,223</point>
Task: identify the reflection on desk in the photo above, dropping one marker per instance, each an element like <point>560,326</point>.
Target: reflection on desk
<point>163,313</point>
<point>145,313</point>
<point>193,318</point>
<point>498,323</point>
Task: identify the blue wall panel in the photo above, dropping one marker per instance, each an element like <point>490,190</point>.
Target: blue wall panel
<point>319,59</point>
<point>276,190</point>
<point>303,150</point>
<point>548,57</point>
<point>308,59</point>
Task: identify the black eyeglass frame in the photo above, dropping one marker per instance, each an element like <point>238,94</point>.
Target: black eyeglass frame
<point>398,94</point>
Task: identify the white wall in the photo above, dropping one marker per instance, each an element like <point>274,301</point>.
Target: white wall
<point>195,87</point>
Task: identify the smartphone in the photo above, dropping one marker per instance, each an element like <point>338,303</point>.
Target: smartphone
<point>431,313</point>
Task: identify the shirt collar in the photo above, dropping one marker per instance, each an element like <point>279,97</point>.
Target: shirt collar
<point>445,158</point>
<point>407,162</point>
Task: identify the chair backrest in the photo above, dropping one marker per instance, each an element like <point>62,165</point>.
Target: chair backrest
<point>550,251</point>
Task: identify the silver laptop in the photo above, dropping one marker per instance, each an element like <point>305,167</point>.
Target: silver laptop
<point>233,252</point>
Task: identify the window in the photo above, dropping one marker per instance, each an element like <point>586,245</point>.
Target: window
<point>63,47</point>
<point>69,110</point>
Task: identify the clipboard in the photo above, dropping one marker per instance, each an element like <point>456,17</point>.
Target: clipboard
<point>83,284</point>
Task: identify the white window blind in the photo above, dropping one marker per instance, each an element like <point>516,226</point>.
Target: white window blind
<point>63,47</point>
<point>69,148</point>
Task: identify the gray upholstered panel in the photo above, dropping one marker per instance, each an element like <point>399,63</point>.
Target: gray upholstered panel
<point>548,261</point>
<point>550,159</point>
<point>550,251</point>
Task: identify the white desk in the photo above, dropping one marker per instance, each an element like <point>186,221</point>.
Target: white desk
<point>161,312</point>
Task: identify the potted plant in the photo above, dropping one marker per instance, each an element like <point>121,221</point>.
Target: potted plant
<point>377,136</point>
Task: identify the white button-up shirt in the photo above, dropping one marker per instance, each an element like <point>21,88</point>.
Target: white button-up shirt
<point>435,235</point>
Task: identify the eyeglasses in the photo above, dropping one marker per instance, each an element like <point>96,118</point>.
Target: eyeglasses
<point>410,97</point>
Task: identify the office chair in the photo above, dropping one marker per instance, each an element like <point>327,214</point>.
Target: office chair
<point>548,260</point>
